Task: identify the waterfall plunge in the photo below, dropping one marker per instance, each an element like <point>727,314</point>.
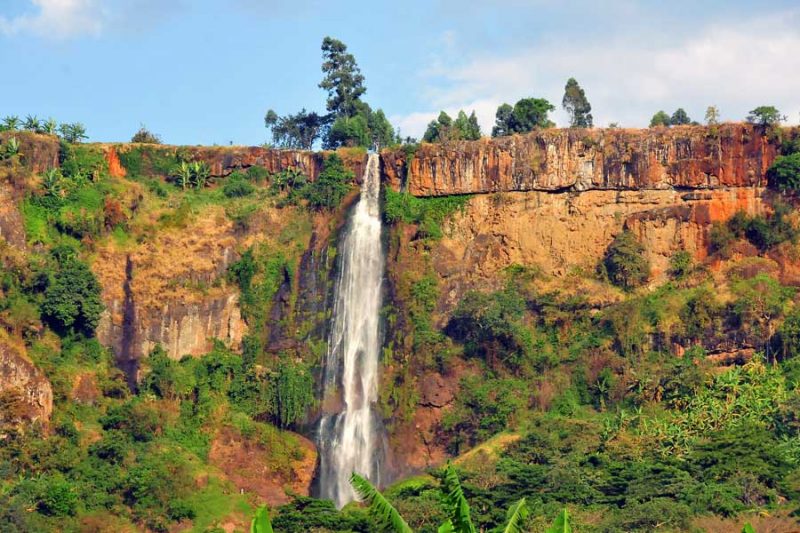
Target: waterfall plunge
<point>351,440</point>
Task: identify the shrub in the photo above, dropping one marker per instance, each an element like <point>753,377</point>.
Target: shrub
<point>257,174</point>
<point>720,238</point>
<point>427,213</point>
<point>72,299</point>
<point>328,190</point>
<point>680,264</point>
<point>785,172</point>
<point>236,186</point>
<point>56,496</point>
<point>625,263</point>
<point>293,389</point>
<point>145,136</point>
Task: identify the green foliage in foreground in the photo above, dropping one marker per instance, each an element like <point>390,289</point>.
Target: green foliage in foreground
<point>429,214</point>
<point>457,509</point>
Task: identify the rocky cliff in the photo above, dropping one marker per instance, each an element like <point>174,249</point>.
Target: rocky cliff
<point>25,393</point>
<point>571,160</point>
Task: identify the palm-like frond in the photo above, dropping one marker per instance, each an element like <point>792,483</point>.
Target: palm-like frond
<point>456,503</point>
<point>561,523</point>
<point>261,523</point>
<point>383,511</point>
<point>514,517</point>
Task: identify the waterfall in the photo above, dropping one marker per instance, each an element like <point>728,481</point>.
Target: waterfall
<point>350,436</point>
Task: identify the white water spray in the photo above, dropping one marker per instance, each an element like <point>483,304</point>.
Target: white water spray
<point>350,440</point>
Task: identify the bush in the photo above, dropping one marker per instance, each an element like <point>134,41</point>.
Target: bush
<point>625,263</point>
<point>785,172</point>
<point>328,190</point>
<point>427,213</point>
<point>72,299</point>
<point>720,238</point>
<point>680,264</point>
<point>236,186</point>
<point>145,136</point>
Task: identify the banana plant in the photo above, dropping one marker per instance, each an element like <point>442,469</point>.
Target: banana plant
<point>561,523</point>
<point>200,173</point>
<point>383,511</point>
<point>261,523</point>
<point>12,147</point>
<point>51,182</point>
<point>11,123</point>
<point>50,126</point>
<point>32,123</point>
<point>748,528</point>
<point>183,175</point>
<point>459,520</point>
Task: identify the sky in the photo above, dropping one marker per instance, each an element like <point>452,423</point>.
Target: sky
<point>206,71</point>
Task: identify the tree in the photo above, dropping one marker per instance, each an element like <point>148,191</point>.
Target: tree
<point>785,172</point>
<point>765,116</point>
<point>680,118</point>
<point>660,119</point>
<point>712,115</point>
<point>625,263</point>
<point>526,115</point>
<point>343,79</point>
<point>531,113</point>
<point>467,128</point>
<point>72,299</point>
<point>300,130</point>
<point>366,129</point>
<point>145,136</point>
<point>503,118</point>
<point>577,105</point>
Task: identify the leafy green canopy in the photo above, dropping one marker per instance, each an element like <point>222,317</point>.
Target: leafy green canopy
<point>444,129</point>
<point>526,115</point>
<point>625,263</point>
<point>72,299</point>
<point>577,105</point>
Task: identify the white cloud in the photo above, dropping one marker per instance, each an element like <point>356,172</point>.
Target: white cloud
<point>734,66</point>
<point>58,19</point>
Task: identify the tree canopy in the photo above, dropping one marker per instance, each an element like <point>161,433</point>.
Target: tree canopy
<point>343,79</point>
<point>765,115</point>
<point>444,128</point>
<point>526,115</point>
<point>577,105</point>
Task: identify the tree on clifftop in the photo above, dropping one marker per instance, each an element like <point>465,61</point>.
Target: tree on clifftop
<point>660,119</point>
<point>444,129</point>
<point>680,118</point>
<point>577,105</point>
<point>343,79</point>
<point>526,115</point>
<point>765,115</point>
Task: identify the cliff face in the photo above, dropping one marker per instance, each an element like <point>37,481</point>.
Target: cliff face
<point>27,392</point>
<point>731,155</point>
<point>167,291</point>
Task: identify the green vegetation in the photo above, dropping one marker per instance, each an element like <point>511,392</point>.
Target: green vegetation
<point>427,213</point>
<point>624,263</point>
<point>526,115</point>
<point>764,232</point>
<point>444,129</point>
<point>145,136</point>
<point>680,118</point>
<point>765,115</point>
<point>350,121</point>
<point>577,105</point>
<point>785,172</point>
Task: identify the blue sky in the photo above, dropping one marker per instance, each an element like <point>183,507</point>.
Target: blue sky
<point>204,71</point>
